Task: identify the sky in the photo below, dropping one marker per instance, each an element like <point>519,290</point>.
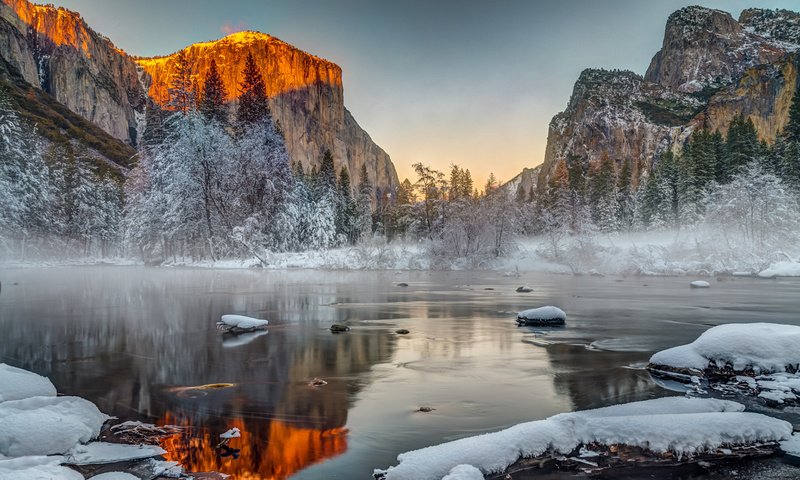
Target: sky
<point>467,82</point>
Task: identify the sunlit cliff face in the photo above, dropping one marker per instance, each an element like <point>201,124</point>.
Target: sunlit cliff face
<point>60,26</point>
<point>285,68</point>
<point>268,449</point>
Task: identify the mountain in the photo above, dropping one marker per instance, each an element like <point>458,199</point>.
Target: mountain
<point>56,53</point>
<point>306,98</point>
<point>710,68</point>
<point>76,85</point>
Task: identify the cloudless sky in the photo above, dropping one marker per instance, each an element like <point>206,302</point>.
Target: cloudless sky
<point>471,82</point>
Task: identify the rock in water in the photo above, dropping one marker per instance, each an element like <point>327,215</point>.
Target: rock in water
<point>402,284</point>
<point>700,284</point>
<point>339,328</point>
<point>241,323</point>
<point>402,331</point>
<point>542,316</point>
<point>524,289</point>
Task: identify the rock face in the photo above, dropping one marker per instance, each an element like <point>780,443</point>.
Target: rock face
<point>56,51</point>
<point>306,97</point>
<point>710,68</point>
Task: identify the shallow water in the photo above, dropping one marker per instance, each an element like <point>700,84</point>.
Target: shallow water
<point>141,343</point>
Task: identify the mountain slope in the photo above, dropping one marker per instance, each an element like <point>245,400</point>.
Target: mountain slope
<point>306,97</point>
<point>54,51</point>
<point>710,68</point>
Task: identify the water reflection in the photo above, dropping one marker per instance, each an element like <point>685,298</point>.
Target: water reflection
<point>144,344</point>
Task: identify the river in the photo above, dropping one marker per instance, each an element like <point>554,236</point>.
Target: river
<point>142,344</point>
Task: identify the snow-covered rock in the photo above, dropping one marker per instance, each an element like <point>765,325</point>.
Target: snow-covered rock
<point>679,425</point>
<point>115,476</point>
<point>542,316</point>
<point>764,347</point>
<point>781,269</point>
<point>699,284</point>
<point>103,452</point>
<point>36,468</point>
<point>791,446</point>
<point>47,425</point>
<point>16,384</point>
<point>242,322</point>
<point>232,433</point>
<point>464,472</point>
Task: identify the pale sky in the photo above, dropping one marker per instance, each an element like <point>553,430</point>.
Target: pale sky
<point>471,82</point>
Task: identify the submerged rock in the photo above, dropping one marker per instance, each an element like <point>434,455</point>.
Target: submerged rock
<point>402,284</point>
<point>524,289</point>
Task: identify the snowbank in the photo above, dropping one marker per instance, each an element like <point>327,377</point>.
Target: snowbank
<point>115,476</point>
<point>781,269</point>
<point>678,424</point>
<point>36,468</point>
<point>16,384</point>
<point>764,347</point>
<point>47,425</point>
<point>242,322</point>
<point>102,452</point>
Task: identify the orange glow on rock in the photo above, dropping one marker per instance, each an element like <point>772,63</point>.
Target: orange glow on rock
<point>269,449</point>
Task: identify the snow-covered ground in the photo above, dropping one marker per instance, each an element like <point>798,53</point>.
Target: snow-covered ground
<point>40,433</point>
<point>757,359</point>
<point>684,426</point>
<point>703,252</point>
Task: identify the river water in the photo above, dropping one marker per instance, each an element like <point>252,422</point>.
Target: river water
<point>142,344</point>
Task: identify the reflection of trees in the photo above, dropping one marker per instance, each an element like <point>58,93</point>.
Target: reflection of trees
<point>124,342</point>
<point>598,379</point>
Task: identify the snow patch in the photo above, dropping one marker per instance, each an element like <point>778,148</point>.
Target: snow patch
<point>781,269</point>
<point>678,424</point>
<point>243,322</point>
<point>764,347</point>
<point>47,425</point>
<point>103,452</point>
<point>16,384</point>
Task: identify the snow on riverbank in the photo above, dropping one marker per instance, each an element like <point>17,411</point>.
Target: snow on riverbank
<point>40,432</point>
<point>684,426</point>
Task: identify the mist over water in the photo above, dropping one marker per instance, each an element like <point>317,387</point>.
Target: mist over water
<point>142,344</point>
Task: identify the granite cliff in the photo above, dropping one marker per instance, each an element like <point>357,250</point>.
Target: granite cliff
<point>58,54</point>
<point>306,97</point>
<point>710,68</point>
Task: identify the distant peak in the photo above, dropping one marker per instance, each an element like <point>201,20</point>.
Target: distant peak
<point>696,15</point>
<point>245,36</point>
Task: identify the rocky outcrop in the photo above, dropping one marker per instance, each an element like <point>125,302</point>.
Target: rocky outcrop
<point>56,51</point>
<point>619,114</point>
<point>704,47</point>
<point>306,98</point>
<point>710,69</point>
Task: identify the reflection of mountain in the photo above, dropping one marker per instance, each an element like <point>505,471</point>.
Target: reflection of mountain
<point>268,449</point>
<point>598,379</point>
<point>125,343</point>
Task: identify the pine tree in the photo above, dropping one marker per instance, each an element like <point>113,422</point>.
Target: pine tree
<point>742,145</point>
<point>602,194</point>
<point>326,178</point>
<point>345,207</point>
<point>363,218</point>
<point>253,102</point>
<point>182,91</point>
<point>792,130</point>
<point>212,104</point>
<point>625,196</point>
<point>154,126</point>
